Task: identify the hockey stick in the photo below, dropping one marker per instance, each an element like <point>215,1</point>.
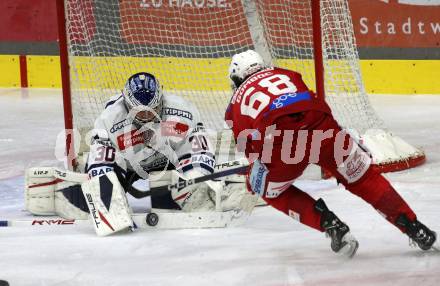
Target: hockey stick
<point>67,175</point>
<point>185,183</point>
<point>165,219</point>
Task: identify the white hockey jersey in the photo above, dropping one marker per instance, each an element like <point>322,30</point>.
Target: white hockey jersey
<point>177,140</point>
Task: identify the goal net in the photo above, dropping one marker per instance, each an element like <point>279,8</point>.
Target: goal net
<point>187,44</point>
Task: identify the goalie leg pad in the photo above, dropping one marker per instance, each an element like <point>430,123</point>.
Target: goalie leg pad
<point>46,194</point>
<point>70,202</point>
<point>39,194</point>
<point>107,203</point>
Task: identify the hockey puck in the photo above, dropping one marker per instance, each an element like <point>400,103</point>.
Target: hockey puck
<point>152,219</point>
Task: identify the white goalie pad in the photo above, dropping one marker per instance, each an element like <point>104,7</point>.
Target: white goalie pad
<point>232,190</point>
<point>220,195</point>
<point>39,194</point>
<point>108,204</point>
<point>194,197</point>
<point>43,193</point>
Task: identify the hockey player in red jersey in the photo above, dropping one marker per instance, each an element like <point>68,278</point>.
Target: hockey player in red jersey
<point>283,127</point>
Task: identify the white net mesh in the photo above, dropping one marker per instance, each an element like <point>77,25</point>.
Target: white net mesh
<point>289,32</point>
<point>186,48</point>
<point>188,45</point>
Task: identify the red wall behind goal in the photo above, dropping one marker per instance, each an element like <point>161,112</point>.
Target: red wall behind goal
<point>28,20</point>
<point>378,23</point>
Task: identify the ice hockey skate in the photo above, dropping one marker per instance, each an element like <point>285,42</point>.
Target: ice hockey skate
<point>418,233</point>
<point>342,241</point>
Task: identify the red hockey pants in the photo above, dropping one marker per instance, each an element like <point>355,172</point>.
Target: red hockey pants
<point>273,174</point>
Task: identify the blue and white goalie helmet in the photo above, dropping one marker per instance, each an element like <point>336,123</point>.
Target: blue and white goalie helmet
<point>143,96</point>
<point>244,65</point>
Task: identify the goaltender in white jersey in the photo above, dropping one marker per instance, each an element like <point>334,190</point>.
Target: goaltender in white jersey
<point>166,142</point>
<point>161,133</point>
<point>138,138</point>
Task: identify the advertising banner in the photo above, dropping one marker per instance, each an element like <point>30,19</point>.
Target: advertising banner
<point>392,23</point>
<point>377,23</point>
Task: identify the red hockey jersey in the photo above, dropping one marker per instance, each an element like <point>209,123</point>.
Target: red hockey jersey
<point>267,95</point>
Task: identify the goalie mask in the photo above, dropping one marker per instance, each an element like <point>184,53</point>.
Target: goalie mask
<point>143,96</point>
<point>244,65</point>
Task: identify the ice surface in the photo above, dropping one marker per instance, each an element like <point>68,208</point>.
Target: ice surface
<point>271,249</point>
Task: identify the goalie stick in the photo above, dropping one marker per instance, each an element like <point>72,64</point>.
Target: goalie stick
<point>167,219</point>
<point>72,176</point>
<point>182,183</point>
